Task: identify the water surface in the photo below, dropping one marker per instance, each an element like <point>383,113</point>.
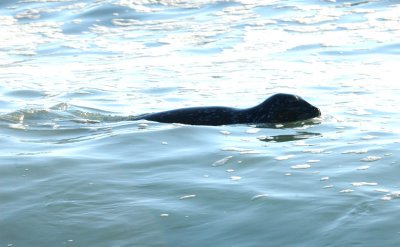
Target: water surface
<point>75,172</point>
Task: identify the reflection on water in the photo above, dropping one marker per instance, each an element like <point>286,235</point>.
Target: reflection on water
<point>288,138</point>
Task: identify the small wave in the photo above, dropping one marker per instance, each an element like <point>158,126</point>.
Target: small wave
<point>61,115</point>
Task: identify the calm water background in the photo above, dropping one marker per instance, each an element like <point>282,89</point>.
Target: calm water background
<point>74,172</point>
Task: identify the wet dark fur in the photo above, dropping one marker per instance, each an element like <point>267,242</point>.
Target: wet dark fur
<point>279,108</point>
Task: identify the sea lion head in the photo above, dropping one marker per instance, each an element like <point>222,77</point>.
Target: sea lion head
<point>283,108</point>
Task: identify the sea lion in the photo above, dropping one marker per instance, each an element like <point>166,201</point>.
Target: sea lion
<point>279,108</point>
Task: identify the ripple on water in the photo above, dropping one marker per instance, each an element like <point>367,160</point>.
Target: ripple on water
<point>26,94</point>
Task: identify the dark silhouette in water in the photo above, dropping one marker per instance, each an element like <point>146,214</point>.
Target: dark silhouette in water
<point>279,108</point>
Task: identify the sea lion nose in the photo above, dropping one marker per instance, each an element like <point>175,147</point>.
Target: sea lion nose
<point>317,111</point>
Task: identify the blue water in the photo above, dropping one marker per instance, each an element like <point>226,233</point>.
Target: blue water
<point>75,172</point>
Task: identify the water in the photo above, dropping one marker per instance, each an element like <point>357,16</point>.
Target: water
<point>74,172</point>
